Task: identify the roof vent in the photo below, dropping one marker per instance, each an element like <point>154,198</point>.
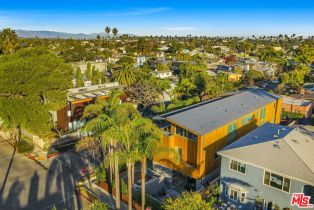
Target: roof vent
<point>275,136</point>
<point>276,146</point>
<point>284,129</point>
<point>295,141</point>
<point>255,137</point>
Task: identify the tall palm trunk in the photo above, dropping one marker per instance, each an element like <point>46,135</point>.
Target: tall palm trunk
<point>143,176</point>
<point>129,167</point>
<point>111,168</point>
<point>117,181</point>
<point>133,169</point>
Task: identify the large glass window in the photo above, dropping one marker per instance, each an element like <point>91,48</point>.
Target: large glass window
<point>247,119</point>
<point>167,130</point>
<point>232,134</point>
<point>277,181</point>
<point>308,190</point>
<point>263,115</point>
<point>237,166</point>
<point>182,132</point>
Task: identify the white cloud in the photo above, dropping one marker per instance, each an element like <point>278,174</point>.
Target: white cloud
<point>180,28</point>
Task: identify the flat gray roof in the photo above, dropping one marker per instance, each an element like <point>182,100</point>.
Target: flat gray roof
<point>207,116</point>
<point>282,149</point>
<point>295,101</point>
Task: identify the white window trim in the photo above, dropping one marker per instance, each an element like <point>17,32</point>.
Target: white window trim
<point>239,194</point>
<point>269,170</point>
<point>237,170</point>
<point>275,187</point>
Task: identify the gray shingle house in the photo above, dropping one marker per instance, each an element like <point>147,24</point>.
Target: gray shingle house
<point>264,168</point>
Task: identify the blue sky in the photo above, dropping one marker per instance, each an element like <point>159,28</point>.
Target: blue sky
<point>161,17</point>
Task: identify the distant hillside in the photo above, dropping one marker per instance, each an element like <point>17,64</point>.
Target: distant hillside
<point>55,34</point>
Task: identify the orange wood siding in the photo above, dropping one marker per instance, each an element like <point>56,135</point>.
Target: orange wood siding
<point>198,158</point>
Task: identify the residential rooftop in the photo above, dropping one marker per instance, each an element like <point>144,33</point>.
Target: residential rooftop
<point>296,101</point>
<point>277,148</point>
<point>92,91</point>
<point>207,116</point>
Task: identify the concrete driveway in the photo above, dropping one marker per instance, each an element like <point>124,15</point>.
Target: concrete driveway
<point>28,185</point>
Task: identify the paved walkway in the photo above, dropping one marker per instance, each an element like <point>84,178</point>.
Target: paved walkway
<point>104,195</point>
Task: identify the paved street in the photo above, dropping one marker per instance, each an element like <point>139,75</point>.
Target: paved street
<point>28,185</point>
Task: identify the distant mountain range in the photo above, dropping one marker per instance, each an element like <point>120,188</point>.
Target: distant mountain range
<point>55,34</point>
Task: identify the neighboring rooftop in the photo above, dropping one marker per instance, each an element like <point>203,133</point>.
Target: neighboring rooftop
<point>209,115</point>
<point>306,95</point>
<point>296,101</point>
<point>278,148</point>
<point>92,91</point>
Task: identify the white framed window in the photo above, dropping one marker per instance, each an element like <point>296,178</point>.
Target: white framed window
<point>233,194</point>
<point>237,166</point>
<point>277,181</point>
<point>242,197</point>
<point>237,195</point>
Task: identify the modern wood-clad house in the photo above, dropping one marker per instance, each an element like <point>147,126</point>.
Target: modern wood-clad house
<point>68,118</point>
<point>199,131</point>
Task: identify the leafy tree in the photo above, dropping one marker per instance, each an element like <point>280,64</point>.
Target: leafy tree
<point>187,201</point>
<point>230,59</point>
<point>143,93</point>
<point>126,59</point>
<point>73,51</point>
<point>96,76</point>
<point>88,72</point>
<point>8,41</point>
<point>252,76</point>
<point>162,67</point>
<point>79,77</point>
<point>34,82</point>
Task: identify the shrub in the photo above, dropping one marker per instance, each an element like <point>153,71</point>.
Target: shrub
<point>124,187</point>
<point>98,205</point>
<point>292,115</point>
<point>100,173</point>
<point>24,146</point>
<point>155,109</point>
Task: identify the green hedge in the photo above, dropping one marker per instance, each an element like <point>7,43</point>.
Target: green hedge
<point>292,115</point>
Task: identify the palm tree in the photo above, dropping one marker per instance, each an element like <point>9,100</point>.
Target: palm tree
<point>8,40</point>
<point>125,74</point>
<point>148,136</point>
<point>115,32</point>
<point>103,122</point>
<point>107,30</point>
